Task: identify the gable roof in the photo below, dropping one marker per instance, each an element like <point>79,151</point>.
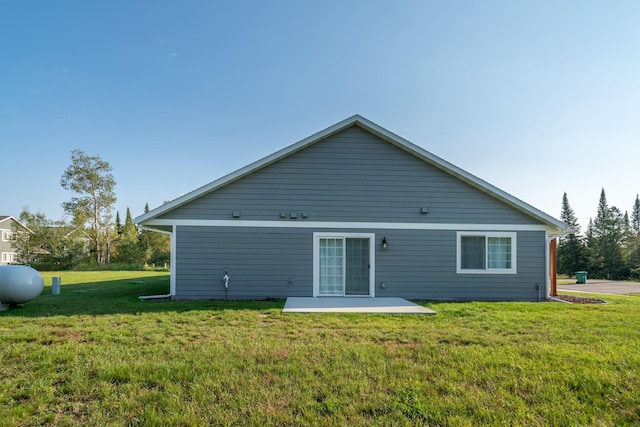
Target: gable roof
<point>4,218</point>
<point>556,226</point>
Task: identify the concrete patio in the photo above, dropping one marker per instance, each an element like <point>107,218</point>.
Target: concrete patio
<point>353,305</point>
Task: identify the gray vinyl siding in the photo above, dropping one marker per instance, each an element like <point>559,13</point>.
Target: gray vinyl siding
<point>351,176</point>
<point>278,263</point>
<point>422,264</point>
<point>260,262</point>
<point>5,247</point>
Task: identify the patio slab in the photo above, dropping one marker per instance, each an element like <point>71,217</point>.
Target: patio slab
<point>353,305</point>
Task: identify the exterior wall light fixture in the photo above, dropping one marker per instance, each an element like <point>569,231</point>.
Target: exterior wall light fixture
<point>384,243</point>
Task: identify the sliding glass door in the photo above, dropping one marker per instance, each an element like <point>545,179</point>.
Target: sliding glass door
<point>344,266</point>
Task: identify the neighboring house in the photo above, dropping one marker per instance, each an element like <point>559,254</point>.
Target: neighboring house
<point>8,254</point>
<point>356,210</point>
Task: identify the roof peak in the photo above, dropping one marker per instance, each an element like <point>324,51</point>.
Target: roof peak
<point>384,134</point>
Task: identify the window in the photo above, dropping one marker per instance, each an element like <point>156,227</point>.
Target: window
<point>486,253</point>
<point>8,236</point>
<point>9,257</point>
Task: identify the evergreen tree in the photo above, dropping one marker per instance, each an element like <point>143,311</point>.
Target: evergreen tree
<point>129,226</point>
<point>605,241</point>
<point>590,229</point>
<point>571,250</point>
<point>626,227</point>
<point>129,248</point>
<point>118,223</point>
<point>156,246</point>
<point>588,247</point>
<point>632,250</point>
<point>635,217</point>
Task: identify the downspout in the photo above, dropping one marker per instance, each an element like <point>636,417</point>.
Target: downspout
<point>547,267</point>
<point>172,259</point>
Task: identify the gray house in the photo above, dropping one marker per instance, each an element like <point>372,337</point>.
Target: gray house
<point>355,210</point>
<point>8,227</point>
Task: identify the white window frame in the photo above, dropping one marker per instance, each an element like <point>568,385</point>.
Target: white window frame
<point>9,257</point>
<point>344,236</point>
<point>487,234</point>
<point>7,236</point>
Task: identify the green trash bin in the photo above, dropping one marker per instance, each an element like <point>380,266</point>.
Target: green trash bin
<point>581,277</point>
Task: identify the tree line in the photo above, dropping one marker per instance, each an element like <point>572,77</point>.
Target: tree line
<point>610,248</point>
<point>91,238</point>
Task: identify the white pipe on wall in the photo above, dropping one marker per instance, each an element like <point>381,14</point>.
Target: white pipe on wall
<point>547,267</point>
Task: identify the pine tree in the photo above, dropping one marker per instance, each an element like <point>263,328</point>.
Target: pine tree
<point>118,223</point>
<point>626,227</point>
<point>635,217</point>
<point>632,250</point>
<point>156,246</point>
<point>571,251</point>
<point>129,248</point>
<point>605,241</point>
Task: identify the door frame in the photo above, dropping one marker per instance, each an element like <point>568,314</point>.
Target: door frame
<point>341,235</point>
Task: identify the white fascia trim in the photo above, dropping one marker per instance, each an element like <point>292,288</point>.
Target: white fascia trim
<point>156,230</point>
<point>348,225</point>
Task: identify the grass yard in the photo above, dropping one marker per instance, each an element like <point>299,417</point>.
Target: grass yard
<point>96,355</point>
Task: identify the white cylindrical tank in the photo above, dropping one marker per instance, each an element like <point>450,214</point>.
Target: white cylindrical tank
<point>19,284</point>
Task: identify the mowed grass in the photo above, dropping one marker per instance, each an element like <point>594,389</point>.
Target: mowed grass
<point>96,355</point>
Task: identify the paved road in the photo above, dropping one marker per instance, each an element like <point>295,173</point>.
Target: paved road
<point>604,287</point>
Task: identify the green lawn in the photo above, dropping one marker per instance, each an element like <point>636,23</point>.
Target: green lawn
<point>96,355</point>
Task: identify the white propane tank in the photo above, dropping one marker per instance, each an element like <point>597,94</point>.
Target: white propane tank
<point>19,284</point>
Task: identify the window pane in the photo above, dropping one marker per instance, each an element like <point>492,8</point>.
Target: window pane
<point>472,252</point>
<point>357,263</point>
<point>330,266</point>
<point>499,252</point>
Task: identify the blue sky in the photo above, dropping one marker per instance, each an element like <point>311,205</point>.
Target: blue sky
<point>537,98</point>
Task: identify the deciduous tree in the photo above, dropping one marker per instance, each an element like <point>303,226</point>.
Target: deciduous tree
<point>51,244</point>
<point>90,179</point>
<point>28,244</point>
